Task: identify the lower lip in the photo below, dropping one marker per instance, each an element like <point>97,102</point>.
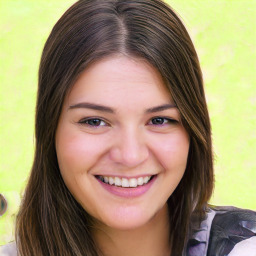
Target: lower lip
<point>128,192</point>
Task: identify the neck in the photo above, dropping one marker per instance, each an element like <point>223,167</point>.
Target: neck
<point>151,239</point>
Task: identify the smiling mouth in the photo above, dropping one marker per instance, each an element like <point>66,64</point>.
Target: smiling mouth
<point>125,182</point>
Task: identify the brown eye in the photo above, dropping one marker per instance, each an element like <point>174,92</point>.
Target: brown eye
<point>158,121</point>
<point>95,122</point>
<point>162,121</point>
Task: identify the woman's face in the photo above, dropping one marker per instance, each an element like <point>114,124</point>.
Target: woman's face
<point>121,147</point>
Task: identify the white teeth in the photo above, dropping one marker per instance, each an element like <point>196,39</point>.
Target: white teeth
<point>146,179</point>
<point>140,181</point>
<point>133,183</point>
<point>118,181</point>
<point>124,182</point>
<point>111,181</point>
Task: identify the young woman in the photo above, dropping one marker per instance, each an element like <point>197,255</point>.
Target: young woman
<point>123,162</point>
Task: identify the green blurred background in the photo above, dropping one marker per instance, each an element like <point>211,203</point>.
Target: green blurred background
<point>224,33</point>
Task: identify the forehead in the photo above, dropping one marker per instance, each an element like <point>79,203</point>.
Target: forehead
<point>119,76</point>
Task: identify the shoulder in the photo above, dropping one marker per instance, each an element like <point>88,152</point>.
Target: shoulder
<point>232,228</point>
<point>223,231</point>
<point>8,250</point>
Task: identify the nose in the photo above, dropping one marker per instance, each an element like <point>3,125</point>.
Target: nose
<point>129,148</point>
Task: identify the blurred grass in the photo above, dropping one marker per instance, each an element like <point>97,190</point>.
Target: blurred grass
<point>224,33</point>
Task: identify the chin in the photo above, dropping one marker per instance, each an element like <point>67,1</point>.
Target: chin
<point>126,219</point>
<point>132,217</point>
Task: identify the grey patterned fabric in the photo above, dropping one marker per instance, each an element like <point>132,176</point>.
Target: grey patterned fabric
<point>226,231</point>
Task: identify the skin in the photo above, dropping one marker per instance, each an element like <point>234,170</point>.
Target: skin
<point>125,142</point>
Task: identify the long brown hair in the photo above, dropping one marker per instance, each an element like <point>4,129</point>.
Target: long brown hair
<point>50,220</point>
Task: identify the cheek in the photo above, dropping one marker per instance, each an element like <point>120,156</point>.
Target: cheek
<point>76,151</point>
<point>172,150</point>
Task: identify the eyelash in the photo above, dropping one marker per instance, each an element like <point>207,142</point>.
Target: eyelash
<point>151,122</point>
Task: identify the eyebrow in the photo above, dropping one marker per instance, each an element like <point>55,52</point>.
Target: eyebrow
<point>112,111</point>
<point>92,106</point>
<point>160,108</point>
